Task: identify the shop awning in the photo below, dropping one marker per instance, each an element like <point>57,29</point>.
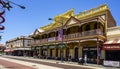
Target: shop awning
<point>7,50</point>
<point>112,45</point>
<point>114,41</point>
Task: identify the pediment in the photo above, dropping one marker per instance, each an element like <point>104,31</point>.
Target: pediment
<point>72,20</point>
<point>36,32</point>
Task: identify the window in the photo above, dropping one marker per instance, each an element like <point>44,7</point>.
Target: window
<point>95,26</point>
<point>87,27</point>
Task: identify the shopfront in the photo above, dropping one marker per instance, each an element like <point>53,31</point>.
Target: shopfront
<point>44,52</point>
<point>112,52</point>
<point>52,51</point>
<point>91,54</point>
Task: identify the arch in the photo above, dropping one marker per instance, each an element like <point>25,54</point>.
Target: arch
<point>76,53</point>
<point>67,52</point>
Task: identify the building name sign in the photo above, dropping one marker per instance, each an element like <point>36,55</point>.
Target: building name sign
<point>22,49</point>
<point>85,49</point>
<point>51,39</point>
<point>117,47</point>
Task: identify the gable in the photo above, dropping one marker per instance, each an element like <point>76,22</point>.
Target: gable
<point>71,21</point>
<point>36,32</point>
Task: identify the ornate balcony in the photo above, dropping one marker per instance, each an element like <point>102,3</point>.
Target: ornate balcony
<point>92,32</point>
<point>34,42</point>
<point>44,40</point>
<point>70,36</point>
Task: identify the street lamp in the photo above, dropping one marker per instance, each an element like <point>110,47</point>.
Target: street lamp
<point>62,44</point>
<point>6,4</point>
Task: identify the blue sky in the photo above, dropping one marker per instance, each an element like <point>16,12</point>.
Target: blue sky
<point>24,22</point>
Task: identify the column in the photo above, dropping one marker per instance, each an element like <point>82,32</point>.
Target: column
<point>79,50</point>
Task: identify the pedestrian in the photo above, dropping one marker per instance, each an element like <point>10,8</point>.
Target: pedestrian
<point>81,61</point>
<point>69,58</point>
<point>85,59</point>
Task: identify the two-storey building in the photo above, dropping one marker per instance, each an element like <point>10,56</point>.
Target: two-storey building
<point>75,35</point>
<point>19,46</point>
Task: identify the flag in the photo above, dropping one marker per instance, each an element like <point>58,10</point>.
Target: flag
<point>60,35</point>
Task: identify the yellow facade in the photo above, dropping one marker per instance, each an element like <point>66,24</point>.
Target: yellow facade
<point>82,33</point>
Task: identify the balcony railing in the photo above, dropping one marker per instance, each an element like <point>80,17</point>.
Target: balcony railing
<point>35,41</point>
<point>92,32</point>
<point>70,36</point>
<point>44,40</point>
<point>74,35</point>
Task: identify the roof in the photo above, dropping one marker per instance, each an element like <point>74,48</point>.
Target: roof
<point>83,15</point>
<point>114,41</point>
<point>57,20</point>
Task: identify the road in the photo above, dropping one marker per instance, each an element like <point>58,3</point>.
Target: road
<point>47,65</point>
<point>12,65</point>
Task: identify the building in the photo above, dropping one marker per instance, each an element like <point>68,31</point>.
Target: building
<point>19,46</point>
<point>75,35</point>
<point>83,35</point>
<point>112,47</point>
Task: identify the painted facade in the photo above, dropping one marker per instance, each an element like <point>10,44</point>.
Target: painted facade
<point>18,46</point>
<point>82,35</point>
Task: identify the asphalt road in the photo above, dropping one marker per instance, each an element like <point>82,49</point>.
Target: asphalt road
<point>40,62</point>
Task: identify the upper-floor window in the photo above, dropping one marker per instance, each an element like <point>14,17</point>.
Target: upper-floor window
<point>95,26</point>
<point>87,27</point>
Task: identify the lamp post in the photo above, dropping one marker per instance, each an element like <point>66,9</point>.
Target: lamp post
<point>61,37</point>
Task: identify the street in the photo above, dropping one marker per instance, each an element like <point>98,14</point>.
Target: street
<point>12,65</point>
<point>21,63</point>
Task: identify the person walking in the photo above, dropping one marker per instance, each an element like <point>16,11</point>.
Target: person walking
<point>85,59</point>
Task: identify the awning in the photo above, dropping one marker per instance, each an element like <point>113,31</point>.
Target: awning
<point>26,48</point>
<point>112,45</point>
<point>7,50</point>
<point>114,41</point>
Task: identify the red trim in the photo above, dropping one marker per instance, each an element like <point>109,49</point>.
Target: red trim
<point>111,47</point>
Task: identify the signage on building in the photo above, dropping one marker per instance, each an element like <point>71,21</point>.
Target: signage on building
<point>51,39</point>
<point>22,49</point>
<point>91,48</point>
<point>112,63</point>
<point>51,47</point>
<point>111,47</point>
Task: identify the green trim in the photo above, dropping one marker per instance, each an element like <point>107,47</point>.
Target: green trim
<point>61,45</point>
<point>44,47</point>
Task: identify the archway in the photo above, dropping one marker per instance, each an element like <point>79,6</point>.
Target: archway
<point>76,53</point>
<point>67,52</point>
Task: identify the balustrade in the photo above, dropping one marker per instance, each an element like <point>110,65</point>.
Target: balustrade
<point>70,36</point>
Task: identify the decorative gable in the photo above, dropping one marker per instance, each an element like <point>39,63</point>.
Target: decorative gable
<point>36,32</point>
<point>72,20</point>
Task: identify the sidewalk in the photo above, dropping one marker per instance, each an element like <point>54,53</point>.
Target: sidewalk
<point>66,63</point>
